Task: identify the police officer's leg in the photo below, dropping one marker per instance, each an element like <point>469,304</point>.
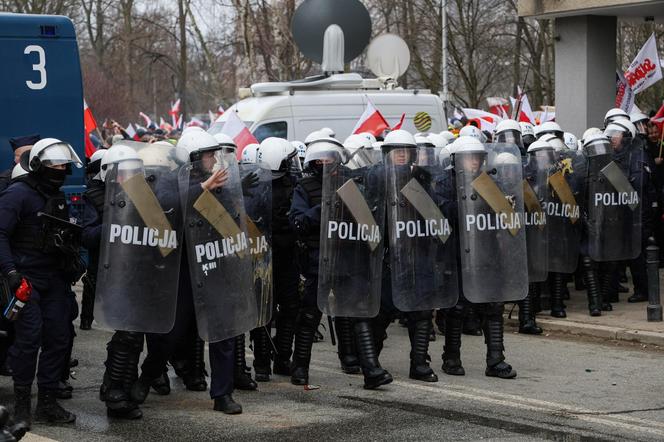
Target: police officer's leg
<point>121,373</point>
<point>242,373</point>
<point>592,286</point>
<point>387,312</point>
<point>346,349</point>
<point>5,343</point>
<point>637,268</point>
<point>527,324</point>
<point>419,328</point>
<point>87,304</point>
<point>161,384</point>
<point>55,303</point>
<point>260,336</point>
<point>493,326</point>
<point>472,324</point>
<point>306,326</point>
<point>557,285</point>
<point>374,374</point>
<point>608,282</point>
<point>286,285</point>
<point>454,318</point>
<point>221,376</point>
<point>64,388</point>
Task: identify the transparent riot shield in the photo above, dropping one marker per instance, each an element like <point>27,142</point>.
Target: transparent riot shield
<point>566,181</point>
<point>258,207</point>
<point>422,250</point>
<point>493,252</point>
<point>139,260</point>
<point>614,204</point>
<point>218,247</point>
<point>351,239</point>
<point>535,197</point>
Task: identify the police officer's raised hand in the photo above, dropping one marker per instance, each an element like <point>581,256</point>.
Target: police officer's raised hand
<point>217,179</point>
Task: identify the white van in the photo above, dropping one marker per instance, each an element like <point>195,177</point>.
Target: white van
<point>294,109</point>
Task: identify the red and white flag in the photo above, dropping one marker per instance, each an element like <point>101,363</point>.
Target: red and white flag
<point>645,70</point>
<point>499,106</point>
<point>371,121</point>
<point>658,118</point>
<point>90,124</point>
<point>486,120</point>
<point>148,121</point>
<point>175,112</point>
<point>236,129</point>
<point>400,123</point>
<point>132,132</point>
<point>525,112</point>
<point>624,93</point>
<point>220,110</point>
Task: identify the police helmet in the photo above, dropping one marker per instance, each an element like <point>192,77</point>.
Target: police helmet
<point>52,152</point>
<point>279,155</point>
<point>249,153</point>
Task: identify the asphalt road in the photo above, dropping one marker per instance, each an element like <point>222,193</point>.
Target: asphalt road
<point>565,390</point>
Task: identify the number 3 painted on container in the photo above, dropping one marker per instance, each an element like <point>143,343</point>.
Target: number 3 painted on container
<point>39,67</point>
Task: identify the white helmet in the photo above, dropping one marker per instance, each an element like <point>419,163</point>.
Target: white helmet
<point>328,132</point>
<point>277,154</point>
<point>550,127</point>
<point>301,149</point>
<point>117,154</point>
<point>471,131</point>
<point>250,153</point>
<point>52,152</point>
<point>597,144</point>
<point>448,135</point>
<point>369,136</point>
<point>591,131</point>
<point>526,128</point>
<point>508,131</point>
<point>325,148</point>
<point>195,140</point>
<point>570,141</point>
<point>18,171</point>
<point>468,144</point>
<point>98,155</point>
<point>640,121</point>
<point>424,141</point>
<point>398,139</point>
<point>554,141</point>
<point>437,140</point>
<point>539,145</point>
<point>614,114</point>
<point>225,141</point>
<point>506,125</point>
<point>620,126</point>
<point>315,135</point>
<point>357,141</point>
<point>155,155</point>
<point>444,156</point>
<point>506,159</point>
<point>536,130</point>
<point>378,145</point>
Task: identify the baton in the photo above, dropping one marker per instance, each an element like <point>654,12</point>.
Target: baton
<point>332,338</point>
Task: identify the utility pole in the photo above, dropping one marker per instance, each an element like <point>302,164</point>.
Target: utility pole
<point>443,5</point>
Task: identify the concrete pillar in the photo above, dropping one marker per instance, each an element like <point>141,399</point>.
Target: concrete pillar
<point>585,71</point>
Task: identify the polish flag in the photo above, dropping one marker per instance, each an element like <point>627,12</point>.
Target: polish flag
<point>400,123</point>
<point>175,112</point>
<point>485,120</point>
<point>371,121</point>
<point>132,132</point>
<point>236,129</point>
<point>525,112</point>
<point>498,106</point>
<point>220,110</point>
<point>148,121</point>
<point>89,124</point>
<point>658,118</point>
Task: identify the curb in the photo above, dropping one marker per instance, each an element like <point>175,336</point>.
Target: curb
<point>597,331</point>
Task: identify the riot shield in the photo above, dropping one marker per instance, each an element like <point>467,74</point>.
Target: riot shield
<point>422,248</point>
<point>563,213</point>
<point>614,205</point>
<point>258,207</point>
<point>491,222</point>
<point>139,260</point>
<point>535,197</point>
<point>351,239</point>
<point>218,248</point>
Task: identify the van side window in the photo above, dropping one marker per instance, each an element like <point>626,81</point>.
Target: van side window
<point>275,129</point>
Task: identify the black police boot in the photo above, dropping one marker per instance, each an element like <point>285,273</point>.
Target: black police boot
<point>227,405</point>
<point>10,431</point>
<point>22,405</point>
<point>307,324</point>
<point>194,377</point>
<point>527,324</point>
<point>346,350</point>
<point>493,337</point>
<point>592,287</point>
<point>48,409</point>
<point>557,281</point>
<point>374,374</point>
<point>162,384</point>
<point>283,340</point>
<point>262,353</point>
<point>452,349</point>
<point>536,298</point>
<point>608,291</point>
<point>471,322</point>
<point>119,380</point>
<point>420,327</point>
<point>379,324</point>
<point>242,373</point>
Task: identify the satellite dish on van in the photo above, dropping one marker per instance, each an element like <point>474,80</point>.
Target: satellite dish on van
<point>388,56</point>
<point>313,17</point>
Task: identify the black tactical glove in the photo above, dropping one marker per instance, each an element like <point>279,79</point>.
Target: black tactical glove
<point>14,279</point>
<point>249,182</point>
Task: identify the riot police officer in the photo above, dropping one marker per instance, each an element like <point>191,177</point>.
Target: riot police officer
<point>33,250</point>
<point>19,145</point>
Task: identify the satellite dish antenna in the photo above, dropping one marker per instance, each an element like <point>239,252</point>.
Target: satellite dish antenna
<point>313,17</point>
<point>388,56</point>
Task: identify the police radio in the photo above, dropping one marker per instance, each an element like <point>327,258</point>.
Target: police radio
<point>18,300</point>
